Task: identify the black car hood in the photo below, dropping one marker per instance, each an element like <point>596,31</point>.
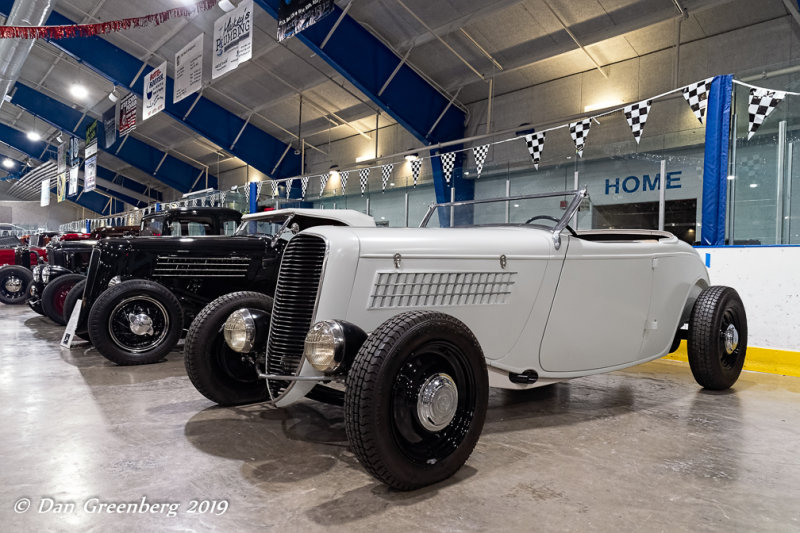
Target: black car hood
<point>211,244</point>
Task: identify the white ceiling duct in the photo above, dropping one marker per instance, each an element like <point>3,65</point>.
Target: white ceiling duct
<point>14,52</point>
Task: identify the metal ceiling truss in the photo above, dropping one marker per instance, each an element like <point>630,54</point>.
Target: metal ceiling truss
<point>208,119</point>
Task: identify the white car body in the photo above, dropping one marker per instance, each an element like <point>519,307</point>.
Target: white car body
<point>537,300</point>
<point>344,217</point>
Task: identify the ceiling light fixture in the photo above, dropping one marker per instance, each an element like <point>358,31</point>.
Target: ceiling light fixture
<point>731,177</point>
<point>334,170</point>
<point>59,138</point>
<point>412,157</point>
<point>753,185</point>
<point>78,91</point>
<point>29,163</point>
<point>8,163</point>
<point>113,95</point>
<point>602,105</point>
<point>226,5</point>
<point>33,135</point>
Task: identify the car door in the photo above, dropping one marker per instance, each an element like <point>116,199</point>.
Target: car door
<point>599,312</point>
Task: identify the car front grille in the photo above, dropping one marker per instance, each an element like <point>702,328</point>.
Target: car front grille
<point>208,267</point>
<point>295,300</point>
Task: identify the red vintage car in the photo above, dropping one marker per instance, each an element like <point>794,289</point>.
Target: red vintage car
<point>15,272</point>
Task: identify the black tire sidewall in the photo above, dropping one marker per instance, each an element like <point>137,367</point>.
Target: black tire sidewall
<point>100,314</point>
<point>75,294</point>
<point>50,291</point>
<point>27,279</point>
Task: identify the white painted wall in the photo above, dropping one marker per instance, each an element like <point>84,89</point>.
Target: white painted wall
<point>768,280</point>
<point>32,214</point>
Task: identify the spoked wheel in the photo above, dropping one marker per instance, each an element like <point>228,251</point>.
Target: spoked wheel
<point>55,294</point>
<point>135,322</point>
<point>416,399</point>
<point>219,373</point>
<point>14,282</point>
<point>35,299</point>
<point>717,339</point>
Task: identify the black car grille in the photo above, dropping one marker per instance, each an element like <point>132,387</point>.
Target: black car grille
<point>173,266</point>
<point>295,299</point>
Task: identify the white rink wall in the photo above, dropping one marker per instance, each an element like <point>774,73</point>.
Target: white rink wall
<point>768,280</point>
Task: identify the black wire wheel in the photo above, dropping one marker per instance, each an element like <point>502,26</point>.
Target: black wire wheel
<point>55,294</point>
<point>415,399</point>
<point>35,299</point>
<point>717,338</point>
<point>222,375</point>
<point>14,283</point>
<point>135,322</point>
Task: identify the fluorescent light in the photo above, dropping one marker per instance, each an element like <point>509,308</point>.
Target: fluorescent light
<point>602,105</point>
<point>34,136</point>
<point>753,185</point>
<point>226,5</point>
<point>363,158</point>
<point>78,91</point>
<point>731,177</point>
<point>8,163</point>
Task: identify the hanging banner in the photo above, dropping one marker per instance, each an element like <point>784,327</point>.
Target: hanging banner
<point>62,158</point>
<point>696,95</point>
<point>233,39</point>
<point>535,143</point>
<point>480,153</point>
<point>386,174</point>
<point>91,140</point>
<point>90,174</point>
<point>579,132</point>
<point>762,103</point>
<point>61,187</point>
<point>636,115</point>
<point>126,115</point>
<point>448,164</point>
<point>74,151</point>
<point>155,91</point>
<point>110,127</point>
<point>45,199</point>
<point>188,69</point>
<point>296,15</point>
<point>73,180</point>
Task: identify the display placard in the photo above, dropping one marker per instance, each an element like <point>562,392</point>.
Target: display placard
<point>110,127</point>
<point>233,39</point>
<point>155,91</point>
<point>188,69</point>
<point>126,115</point>
<point>296,15</point>
<point>90,174</point>
<point>45,198</point>
<point>91,140</point>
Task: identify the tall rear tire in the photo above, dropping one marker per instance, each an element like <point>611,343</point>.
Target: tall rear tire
<point>717,338</point>
<point>416,398</point>
<point>135,322</point>
<point>14,283</point>
<point>55,294</point>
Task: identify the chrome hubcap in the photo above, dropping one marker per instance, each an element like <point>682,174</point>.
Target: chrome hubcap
<point>141,324</point>
<point>437,402</point>
<point>13,284</point>
<point>731,339</point>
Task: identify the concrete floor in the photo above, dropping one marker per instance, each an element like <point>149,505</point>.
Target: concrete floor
<point>641,450</point>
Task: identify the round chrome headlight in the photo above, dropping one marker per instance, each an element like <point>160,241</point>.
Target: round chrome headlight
<point>240,331</point>
<point>37,274</point>
<point>46,274</point>
<point>324,346</point>
<point>114,281</point>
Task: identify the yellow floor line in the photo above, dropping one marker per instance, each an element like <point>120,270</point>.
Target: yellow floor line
<point>783,362</point>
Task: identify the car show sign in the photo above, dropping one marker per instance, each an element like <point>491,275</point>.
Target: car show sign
<point>61,187</point>
<point>233,39</point>
<point>188,69</point>
<point>110,127</point>
<point>155,91</point>
<point>73,181</point>
<point>90,174</point>
<point>126,115</point>
<point>296,15</point>
<point>91,140</point>
<point>62,158</point>
<point>45,199</point>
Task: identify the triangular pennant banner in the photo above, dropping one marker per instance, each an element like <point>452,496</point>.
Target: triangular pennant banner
<point>535,143</point>
<point>323,181</point>
<point>762,103</point>
<point>303,187</point>
<point>696,95</point>
<point>258,189</point>
<point>344,175</point>
<point>636,114</point>
<point>386,174</point>
<point>289,187</point>
<point>274,185</point>
<point>579,131</point>
<point>416,166</point>
<point>480,157</point>
<point>363,179</point>
<point>448,164</point>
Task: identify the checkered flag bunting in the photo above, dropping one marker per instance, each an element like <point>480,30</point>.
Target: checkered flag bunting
<point>416,166</point>
<point>448,164</point>
<point>303,187</point>
<point>344,175</point>
<point>579,132</point>
<point>363,179</point>
<point>637,117</point>
<point>274,185</point>
<point>323,181</point>
<point>480,153</point>
<point>258,189</point>
<point>289,187</point>
<point>247,193</point>
<point>762,103</point>
<point>696,95</point>
<point>386,174</point>
<point>535,143</point>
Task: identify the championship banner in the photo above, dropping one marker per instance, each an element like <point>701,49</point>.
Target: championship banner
<point>188,69</point>
<point>45,198</point>
<point>90,174</point>
<point>62,158</point>
<point>91,140</point>
<point>110,127</point>
<point>74,151</point>
<point>73,180</point>
<point>233,39</point>
<point>126,115</point>
<point>296,15</point>
<point>61,187</point>
<point>155,91</point>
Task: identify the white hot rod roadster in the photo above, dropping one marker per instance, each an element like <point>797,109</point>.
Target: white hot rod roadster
<point>418,323</point>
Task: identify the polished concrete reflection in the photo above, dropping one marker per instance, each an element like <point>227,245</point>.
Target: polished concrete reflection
<point>640,450</point>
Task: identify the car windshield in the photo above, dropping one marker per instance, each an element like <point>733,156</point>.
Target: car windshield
<point>550,210</point>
